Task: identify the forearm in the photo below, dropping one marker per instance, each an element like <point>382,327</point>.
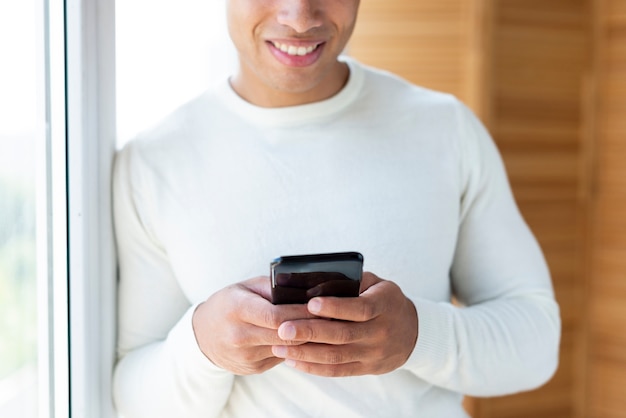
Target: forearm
<point>170,378</point>
<point>498,347</point>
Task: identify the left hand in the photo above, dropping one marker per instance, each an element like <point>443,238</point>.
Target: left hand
<point>374,333</point>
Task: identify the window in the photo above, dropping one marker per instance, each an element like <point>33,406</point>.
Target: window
<point>166,57</point>
<point>57,140</point>
<point>33,308</point>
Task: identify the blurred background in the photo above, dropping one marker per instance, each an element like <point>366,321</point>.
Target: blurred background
<point>547,77</point>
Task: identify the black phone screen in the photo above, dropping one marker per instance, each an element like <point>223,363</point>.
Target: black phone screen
<point>298,278</point>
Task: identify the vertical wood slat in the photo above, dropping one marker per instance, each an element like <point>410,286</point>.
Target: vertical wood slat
<point>539,63</point>
<point>607,275</point>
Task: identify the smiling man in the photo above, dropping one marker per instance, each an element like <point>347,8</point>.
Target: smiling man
<point>305,151</point>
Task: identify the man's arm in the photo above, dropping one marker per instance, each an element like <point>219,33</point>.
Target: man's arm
<point>161,372</point>
<point>506,336</point>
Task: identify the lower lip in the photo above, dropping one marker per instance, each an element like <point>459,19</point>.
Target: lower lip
<point>296,60</point>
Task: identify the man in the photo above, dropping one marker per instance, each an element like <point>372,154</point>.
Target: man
<point>306,152</point>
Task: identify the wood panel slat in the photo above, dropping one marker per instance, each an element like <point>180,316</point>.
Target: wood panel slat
<point>607,276</point>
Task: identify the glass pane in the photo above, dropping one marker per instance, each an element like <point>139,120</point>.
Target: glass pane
<point>166,55</point>
<point>21,122</point>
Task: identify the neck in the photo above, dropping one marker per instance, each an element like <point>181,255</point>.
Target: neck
<point>257,92</point>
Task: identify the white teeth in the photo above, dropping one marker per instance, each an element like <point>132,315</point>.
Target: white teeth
<point>295,50</point>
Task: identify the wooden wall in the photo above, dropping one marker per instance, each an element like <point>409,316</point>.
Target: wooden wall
<point>548,79</point>
<point>607,286</point>
<point>540,59</point>
<point>423,41</point>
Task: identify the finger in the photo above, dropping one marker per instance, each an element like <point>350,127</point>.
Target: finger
<point>329,370</point>
<point>253,336</point>
<point>372,302</point>
<point>254,309</point>
<point>359,309</point>
<point>320,353</point>
<point>324,331</point>
<point>272,316</point>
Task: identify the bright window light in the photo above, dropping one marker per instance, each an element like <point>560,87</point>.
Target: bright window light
<point>166,53</point>
<point>21,123</point>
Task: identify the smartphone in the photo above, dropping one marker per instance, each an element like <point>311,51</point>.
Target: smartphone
<point>298,278</point>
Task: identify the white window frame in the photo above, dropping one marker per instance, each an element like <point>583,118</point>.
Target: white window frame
<point>52,284</point>
<point>76,275</point>
<point>79,274</point>
<point>90,92</point>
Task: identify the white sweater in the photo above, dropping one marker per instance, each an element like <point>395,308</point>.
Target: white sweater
<point>406,176</point>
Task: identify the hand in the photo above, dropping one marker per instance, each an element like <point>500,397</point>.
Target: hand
<point>237,326</point>
<point>372,334</point>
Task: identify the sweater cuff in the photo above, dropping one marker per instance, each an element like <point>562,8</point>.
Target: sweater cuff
<point>184,347</point>
<point>435,350</point>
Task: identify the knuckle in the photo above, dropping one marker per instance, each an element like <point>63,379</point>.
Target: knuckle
<point>379,352</point>
<point>248,357</point>
<point>310,333</point>
<point>250,369</point>
<point>349,333</point>
<point>306,368</point>
<point>296,353</point>
<point>238,340</point>
<point>386,333</point>
<point>270,317</point>
<point>334,357</point>
<point>368,311</point>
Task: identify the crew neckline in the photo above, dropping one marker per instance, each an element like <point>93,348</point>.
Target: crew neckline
<point>299,114</point>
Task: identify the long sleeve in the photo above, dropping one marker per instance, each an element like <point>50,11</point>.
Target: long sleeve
<point>505,336</point>
<point>161,371</point>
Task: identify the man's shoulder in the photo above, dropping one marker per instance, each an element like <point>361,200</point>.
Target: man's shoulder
<point>183,124</point>
<point>391,87</point>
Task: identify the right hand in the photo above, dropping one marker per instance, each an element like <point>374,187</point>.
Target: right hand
<point>237,326</point>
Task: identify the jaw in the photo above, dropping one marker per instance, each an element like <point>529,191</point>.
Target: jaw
<point>291,86</point>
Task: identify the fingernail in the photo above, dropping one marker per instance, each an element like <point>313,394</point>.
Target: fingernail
<point>279,351</point>
<point>314,306</point>
<point>287,332</point>
<point>290,363</point>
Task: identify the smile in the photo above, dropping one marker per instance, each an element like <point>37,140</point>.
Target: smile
<point>295,50</point>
